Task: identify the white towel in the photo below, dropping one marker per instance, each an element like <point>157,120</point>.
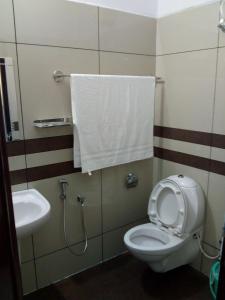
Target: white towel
<point>112,118</point>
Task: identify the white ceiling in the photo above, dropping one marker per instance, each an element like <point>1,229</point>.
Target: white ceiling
<point>149,8</point>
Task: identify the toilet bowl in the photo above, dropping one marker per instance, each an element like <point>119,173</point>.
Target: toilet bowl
<point>176,212</point>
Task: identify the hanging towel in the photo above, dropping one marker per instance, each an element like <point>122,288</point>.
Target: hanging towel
<point>112,118</point>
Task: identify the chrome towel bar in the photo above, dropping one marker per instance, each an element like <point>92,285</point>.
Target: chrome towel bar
<point>58,76</point>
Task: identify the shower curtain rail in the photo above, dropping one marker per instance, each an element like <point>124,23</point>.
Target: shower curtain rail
<point>58,76</point>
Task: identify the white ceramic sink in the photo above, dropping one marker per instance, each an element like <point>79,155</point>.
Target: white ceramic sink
<point>31,210</point>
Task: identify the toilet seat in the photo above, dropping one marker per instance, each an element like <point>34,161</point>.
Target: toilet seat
<point>148,238</point>
<point>167,207</point>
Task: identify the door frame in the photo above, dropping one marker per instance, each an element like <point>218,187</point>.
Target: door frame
<point>10,274</point>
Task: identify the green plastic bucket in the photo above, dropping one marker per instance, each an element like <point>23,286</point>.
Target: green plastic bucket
<point>214,279</point>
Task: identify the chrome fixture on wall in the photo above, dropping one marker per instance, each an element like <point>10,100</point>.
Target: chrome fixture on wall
<point>131,180</point>
<point>222,16</point>
<point>63,196</point>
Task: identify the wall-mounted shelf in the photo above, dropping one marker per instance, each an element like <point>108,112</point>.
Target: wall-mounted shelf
<point>47,123</point>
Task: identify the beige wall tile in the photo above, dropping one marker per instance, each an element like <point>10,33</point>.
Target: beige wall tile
<point>56,22</point>
<point>218,154</point>
<point>124,32</point>
<point>49,157</point>
<point>219,124</point>
<point>17,162</point>
<point>191,29</point>
<point>7,31</point>
<point>19,187</point>
<point>126,64</point>
<point>9,50</point>
<point>185,100</point>
<point>42,97</point>
<point>113,243</point>
<point>26,249</point>
<point>221,39</point>
<point>215,209</point>
<point>197,262</point>
<point>62,263</point>
<point>122,206</point>
<point>28,277</point>
<point>51,236</point>
<point>180,146</point>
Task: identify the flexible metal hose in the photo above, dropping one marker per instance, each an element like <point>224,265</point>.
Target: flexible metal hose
<point>203,251</point>
<point>83,228</point>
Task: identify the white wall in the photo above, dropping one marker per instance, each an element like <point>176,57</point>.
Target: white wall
<point>141,7</point>
<point>167,7</point>
<point>149,8</point>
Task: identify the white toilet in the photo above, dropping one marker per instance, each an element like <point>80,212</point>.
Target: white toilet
<point>176,211</point>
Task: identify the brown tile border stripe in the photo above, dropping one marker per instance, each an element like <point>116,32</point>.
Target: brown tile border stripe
<point>53,170</point>
<point>31,146</point>
<point>66,141</point>
<point>183,158</point>
<point>218,140</point>
<point>48,144</point>
<point>16,148</point>
<point>217,167</point>
<point>190,136</point>
<point>42,172</point>
<point>18,176</point>
<point>194,161</point>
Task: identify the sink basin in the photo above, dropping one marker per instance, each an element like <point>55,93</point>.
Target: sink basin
<point>31,211</point>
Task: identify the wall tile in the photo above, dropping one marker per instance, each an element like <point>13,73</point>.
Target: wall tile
<point>7,30</point>
<point>48,271</point>
<point>180,146</point>
<point>42,97</point>
<point>49,157</point>
<point>192,29</point>
<point>188,89</point>
<point>28,277</point>
<point>221,38</point>
<point>126,64</point>
<point>215,209</point>
<point>122,206</point>
<point>19,187</point>
<point>56,22</point>
<point>26,249</point>
<point>218,154</point>
<point>113,243</point>
<point>51,236</point>
<point>124,32</point>
<point>219,124</point>
<point>17,162</point>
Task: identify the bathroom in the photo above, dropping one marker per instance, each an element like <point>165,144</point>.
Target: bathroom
<point>177,43</point>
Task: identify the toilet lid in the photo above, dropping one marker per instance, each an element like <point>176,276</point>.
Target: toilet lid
<point>167,206</point>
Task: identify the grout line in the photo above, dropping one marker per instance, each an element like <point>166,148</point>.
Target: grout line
<point>35,265</point>
<point>210,245</point>
<point>212,126</point>
<point>85,49</point>
<point>77,243</point>
<point>187,51</point>
<point>20,93</point>
<point>5,42</point>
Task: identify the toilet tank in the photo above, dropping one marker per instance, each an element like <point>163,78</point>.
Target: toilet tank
<point>195,202</point>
